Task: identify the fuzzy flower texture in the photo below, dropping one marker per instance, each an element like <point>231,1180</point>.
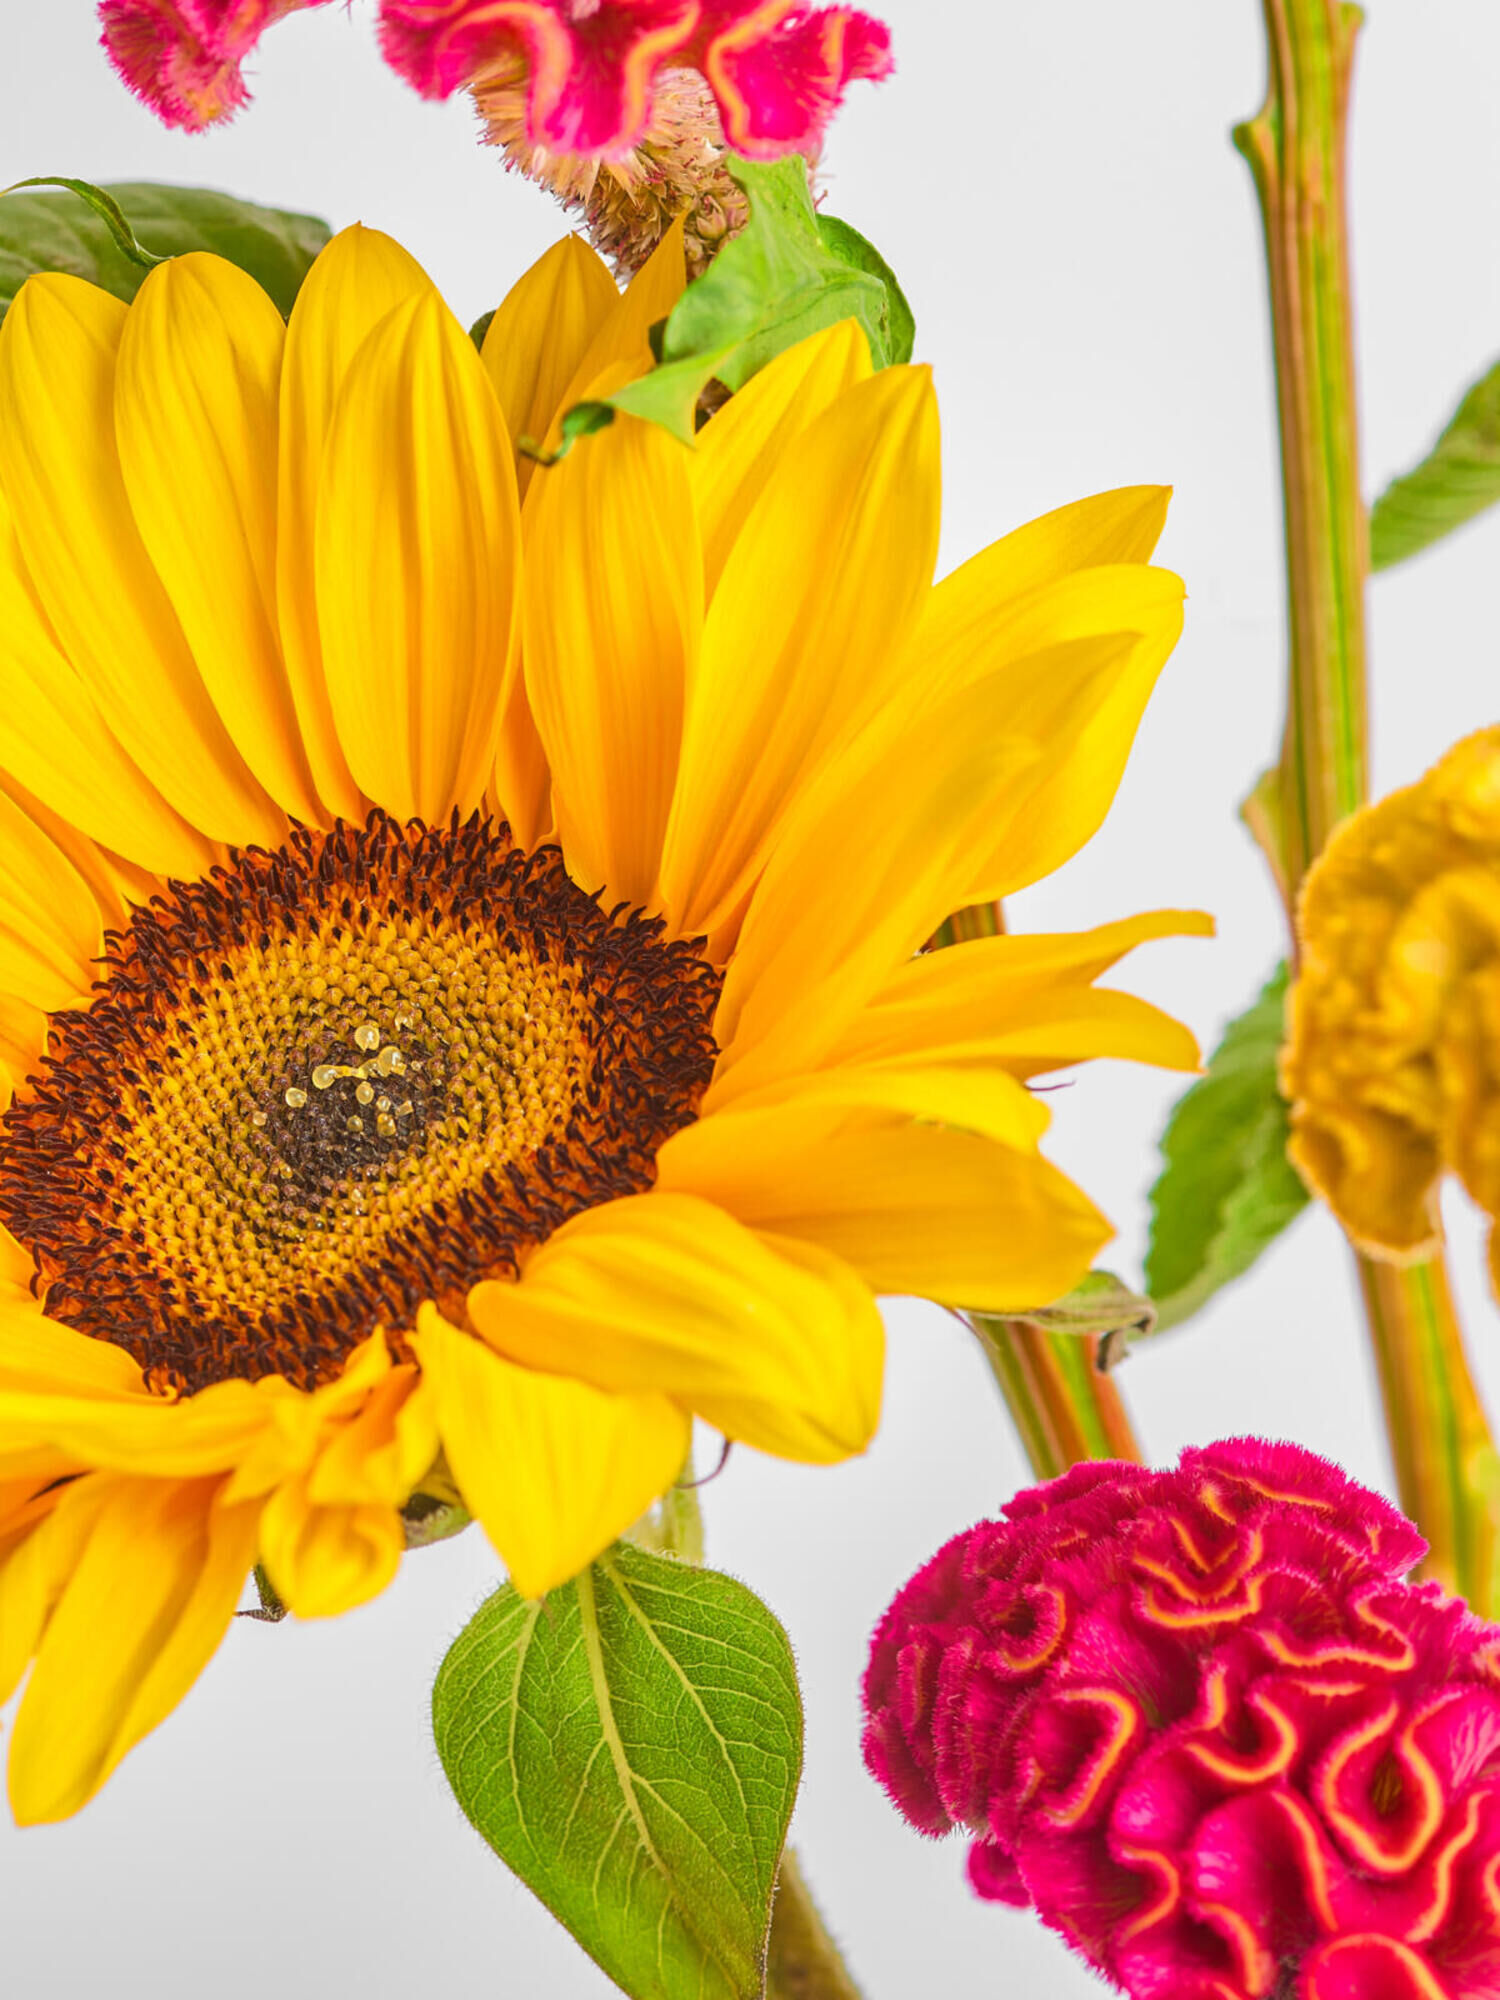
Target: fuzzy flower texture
<point>777,70</point>
<point>1200,1722</point>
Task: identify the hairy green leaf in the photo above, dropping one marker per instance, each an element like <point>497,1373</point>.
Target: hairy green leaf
<point>96,233</point>
<point>1227,1189</point>
<point>789,274</point>
<point>1457,479</point>
<point>631,1748</point>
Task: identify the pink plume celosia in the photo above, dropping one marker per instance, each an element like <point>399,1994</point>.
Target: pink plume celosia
<point>1199,1721</point>
<point>777,69</point>
<point>185,57</point>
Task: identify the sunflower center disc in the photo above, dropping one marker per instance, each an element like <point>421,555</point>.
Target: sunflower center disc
<point>331,1082</point>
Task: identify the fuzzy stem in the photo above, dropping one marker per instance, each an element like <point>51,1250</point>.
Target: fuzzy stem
<point>1296,148</point>
<point>804,1962</point>
<point>1063,1405</point>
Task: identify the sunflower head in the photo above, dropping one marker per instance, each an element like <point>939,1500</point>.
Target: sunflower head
<point>463,1005</point>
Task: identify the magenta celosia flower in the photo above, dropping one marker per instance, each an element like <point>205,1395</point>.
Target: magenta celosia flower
<point>185,58</point>
<point>1199,1721</point>
<point>777,69</point>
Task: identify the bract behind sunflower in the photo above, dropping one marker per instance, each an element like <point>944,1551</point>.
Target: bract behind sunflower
<point>461,995</point>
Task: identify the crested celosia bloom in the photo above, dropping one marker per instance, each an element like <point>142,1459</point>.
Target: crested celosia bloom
<point>1392,1065</point>
<point>588,70</point>
<point>185,58</point>
<point>1198,1720</point>
<point>462,1011</point>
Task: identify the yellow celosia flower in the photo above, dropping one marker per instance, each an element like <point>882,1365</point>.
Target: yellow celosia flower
<point>1393,1061</point>
<point>465,1013</point>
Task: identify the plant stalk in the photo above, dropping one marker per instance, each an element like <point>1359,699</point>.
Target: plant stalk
<point>1064,1406</point>
<point>804,1962</point>
<point>1296,148</point>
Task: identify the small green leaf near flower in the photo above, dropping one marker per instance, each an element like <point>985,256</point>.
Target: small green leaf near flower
<point>1227,1189</point>
<point>630,1747</point>
<point>1458,479</point>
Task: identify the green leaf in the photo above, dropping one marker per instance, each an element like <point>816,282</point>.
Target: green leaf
<point>1457,479</point>
<point>1228,1189</point>
<point>631,1748</point>
<point>788,274</point>
<point>96,233</point>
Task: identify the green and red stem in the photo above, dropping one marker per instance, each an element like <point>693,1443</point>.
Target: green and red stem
<point>1296,148</point>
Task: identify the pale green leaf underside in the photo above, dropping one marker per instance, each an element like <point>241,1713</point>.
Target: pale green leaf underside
<point>1227,1189</point>
<point>789,274</point>
<point>631,1748</point>
<point>1457,479</point>
<point>55,230</point>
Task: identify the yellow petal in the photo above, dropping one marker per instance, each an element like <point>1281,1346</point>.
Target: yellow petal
<point>197,386</point>
<point>359,278</point>
<point>35,1571</point>
<point>1122,526</point>
<point>614,608</point>
<point>941,1215</point>
<point>100,593</point>
<point>540,333</point>
<point>805,631</point>
<point>418,536</point>
<point>933,1085</point>
<point>54,740</point>
<point>553,1469</point>
<point>384,1448</point>
<point>522,782</point>
<point>621,348</point>
<point>870,862</point>
<point>141,1615</point>
<point>664,1292</point>
<point>324,1560</point>
<point>40,1356</point>
<point>50,931</point>
<point>1078,658</point>
<point>1021,1000</point>
<point>741,448</point>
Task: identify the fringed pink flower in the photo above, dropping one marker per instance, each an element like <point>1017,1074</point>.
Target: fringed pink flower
<point>1199,1721</point>
<point>777,69</point>
<point>185,58</point>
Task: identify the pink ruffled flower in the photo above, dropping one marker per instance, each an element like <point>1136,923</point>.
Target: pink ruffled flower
<point>777,69</point>
<point>1199,1721</point>
<point>185,57</point>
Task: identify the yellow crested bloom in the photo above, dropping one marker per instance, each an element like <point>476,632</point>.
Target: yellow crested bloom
<point>460,936</point>
<point>1393,1060</point>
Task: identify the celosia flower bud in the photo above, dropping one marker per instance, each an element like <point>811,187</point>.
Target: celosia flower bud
<point>1199,1721</point>
<point>1393,1062</point>
<point>185,57</point>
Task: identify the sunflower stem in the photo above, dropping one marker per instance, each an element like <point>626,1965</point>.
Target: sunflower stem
<point>1064,1406</point>
<point>804,1963</point>
<point>1062,1403</point>
<point>1296,149</point>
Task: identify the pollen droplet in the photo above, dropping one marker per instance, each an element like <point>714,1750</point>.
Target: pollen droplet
<point>323,1077</point>
<point>296,1098</point>
<point>365,1092</point>
<point>356,1124</point>
<point>367,1036</point>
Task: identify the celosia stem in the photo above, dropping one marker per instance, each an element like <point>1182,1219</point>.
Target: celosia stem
<point>1440,1439</point>
<point>804,1961</point>
<point>1296,147</point>
<point>1063,1406</point>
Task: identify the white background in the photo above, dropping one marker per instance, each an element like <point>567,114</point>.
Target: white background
<point>1055,184</point>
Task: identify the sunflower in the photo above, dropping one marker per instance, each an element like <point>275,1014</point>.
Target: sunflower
<point>462,1003</point>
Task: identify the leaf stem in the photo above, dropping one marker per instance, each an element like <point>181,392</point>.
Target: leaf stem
<point>804,1962</point>
<point>1296,149</point>
<point>1063,1404</point>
